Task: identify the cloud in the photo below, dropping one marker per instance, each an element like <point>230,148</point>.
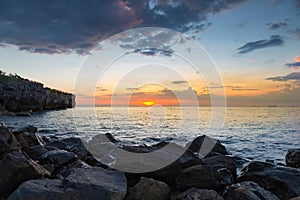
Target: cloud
<point>178,82</point>
<point>154,52</point>
<point>239,88</point>
<point>294,76</point>
<point>61,26</point>
<point>294,65</point>
<point>241,24</point>
<point>277,25</point>
<point>275,40</point>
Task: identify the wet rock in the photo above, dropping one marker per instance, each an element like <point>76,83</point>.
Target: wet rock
<point>295,198</point>
<point>8,141</point>
<point>221,161</point>
<point>57,144</point>
<point>97,183</point>
<point>29,129</point>
<point>292,158</point>
<point>282,181</point>
<point>207,147</point>
<point>41,190</point>
<point>59,157</point>
<point>28,139</point>
<point>17,168</point>
<point>249,190</point>
<point>149,189</point>
<point>203,194</point>
<point>200,176</point>
<point>36,152</point>
<point>23,114</point>
<point>77,164</point>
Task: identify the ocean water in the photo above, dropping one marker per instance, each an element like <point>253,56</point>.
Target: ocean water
<point>258,133</point>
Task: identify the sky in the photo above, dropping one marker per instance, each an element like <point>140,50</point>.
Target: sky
<point>243,53</point>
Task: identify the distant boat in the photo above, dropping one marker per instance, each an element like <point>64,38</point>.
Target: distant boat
<point>272,106</point>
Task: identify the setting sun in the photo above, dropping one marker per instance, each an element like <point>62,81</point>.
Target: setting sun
<point>148,103</point>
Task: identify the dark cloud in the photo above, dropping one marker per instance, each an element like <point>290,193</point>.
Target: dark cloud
<point>178,82</point>
<point>275,40</point>
<point>277,25</point>
<point>241,24</point>
<point>61,26</point>
<point>239,88</point>
<point>154,52</point>
<point>295,76</point>
<point>293,65</point>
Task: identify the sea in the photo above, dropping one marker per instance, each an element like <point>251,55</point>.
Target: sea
<point>256,133</point>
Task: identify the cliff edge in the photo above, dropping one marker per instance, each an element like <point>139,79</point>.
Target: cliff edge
<point>18,95</point>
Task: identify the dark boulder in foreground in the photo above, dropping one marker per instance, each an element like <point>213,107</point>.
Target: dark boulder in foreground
<point>149,189</point>
<point>201,194</point>
<point>8,141</point>
<point>80,184</point>
<point>249,190</point>
<point>292,158</point>
<point>17,168</point>
<point>202,177</point>
<point>284,182</point>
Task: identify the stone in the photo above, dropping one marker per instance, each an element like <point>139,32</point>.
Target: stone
<point>17,168</point>
<point>29,129</point>
<point>292,158</point>
<point>200,176</point>
<point>149,189</point>
<point>36,152</point>
<point>8,141</point>
<point>210,147</point>
<point>221,161</point>
<point>201,194</point>
<point>28,139</point>
<point>59,157</point>
<point>100,183</point>
<point>80,184</point>
<point>47,189</point>
<point>295,198</point>
<point>249,190</point>
<point>284,182</point>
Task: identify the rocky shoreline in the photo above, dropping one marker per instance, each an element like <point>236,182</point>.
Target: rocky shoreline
<point>21,97</point>
<point>34,167</point>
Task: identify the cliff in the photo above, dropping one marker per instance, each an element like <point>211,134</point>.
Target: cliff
<point>18,94</point>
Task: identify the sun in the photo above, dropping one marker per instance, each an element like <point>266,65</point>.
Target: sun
<point>148,103</point>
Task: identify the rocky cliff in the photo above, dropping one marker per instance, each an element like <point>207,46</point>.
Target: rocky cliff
<point>18,94</point>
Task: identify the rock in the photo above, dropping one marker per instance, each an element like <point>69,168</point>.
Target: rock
<point>28,129</point>
<point>59,157</point>
<point>8,141</point>
<point>46,189</point>
<point>202,177</point>
<point>76,146</point>
<point>58,144</point>
<point>17,168</point>
<point>97,183</point>
<point>249,190</point>
<point>28,139</point>
<point>295,198</point>
<point>201,194</point>
<point>169,173</point>
<point>149,189</point>
<point>221,161</point>
<point>77,164</point>
<point>292,158</point>
<point>81,184</point>
<point>36,152</point>
<point>284,182</point>
<point>210,147</point>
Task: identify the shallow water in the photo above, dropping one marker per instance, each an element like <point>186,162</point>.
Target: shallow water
<point>251,132</point>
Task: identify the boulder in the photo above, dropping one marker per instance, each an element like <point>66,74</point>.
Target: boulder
<point>36,152</point>
<point>207,146</point>
<point>97,183</point>
<point>292,158</point>
<point>28,129</point>
<point>284,182</point>
<point>295,198</point>
<point>28,138</point>
<point>47,189</point>
<point>202,177</point>
<point>221,161</point>
<point>203,194</point>
<point>58,157</point>
<point>17,168</point>
<point>149,189</point>
<point>249,190</point>
<point>8,141</point>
